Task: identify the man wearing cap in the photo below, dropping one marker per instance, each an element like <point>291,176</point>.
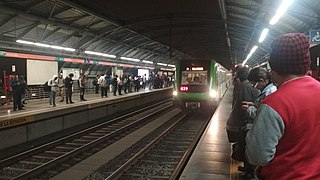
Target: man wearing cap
<point>284,139</point>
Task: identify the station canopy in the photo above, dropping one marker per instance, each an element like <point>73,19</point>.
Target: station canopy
<point>160,31</point>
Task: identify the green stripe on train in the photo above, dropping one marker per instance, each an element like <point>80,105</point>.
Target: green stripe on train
<point>193,96</point>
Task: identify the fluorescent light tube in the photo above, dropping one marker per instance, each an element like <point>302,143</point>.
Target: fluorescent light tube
<point>46,45</point>
<point>263,35</point>
<point>254,48</point>
<point>162,64</point>
<point>24,42</point>
<point>130,59</point>
<point>149,62</point>
<point>41,45</point>
<point>99,54</point>
<point>109,55</point>
<point>69,49</point>
<point>57,47</point>
<point>281,10</point>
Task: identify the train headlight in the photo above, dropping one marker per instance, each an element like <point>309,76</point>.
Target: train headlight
<point>175,93</point>
<point>213,93</point>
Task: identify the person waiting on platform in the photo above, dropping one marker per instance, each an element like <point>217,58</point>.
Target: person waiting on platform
<point>103,83</point>
<point>24,90</point>
<point>15,83</point>
<point>284,139</point>
<point>61,87</point>
<point>115,85</point>
<point>246,92</point>
<point>82,86</point>
<point>95,83</point>
<point>262,81</point>
<point>120,84</point>
<point>53,82</point>
<point>68,82</point>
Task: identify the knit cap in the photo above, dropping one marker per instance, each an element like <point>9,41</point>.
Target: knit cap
<point>290,54</point>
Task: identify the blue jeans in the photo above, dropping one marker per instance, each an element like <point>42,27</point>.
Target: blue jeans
<point>52,98</point>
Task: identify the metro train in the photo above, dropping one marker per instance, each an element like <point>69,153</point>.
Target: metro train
<point>199,84</point>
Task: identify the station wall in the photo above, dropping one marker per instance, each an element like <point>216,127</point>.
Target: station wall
<point>6,65</point>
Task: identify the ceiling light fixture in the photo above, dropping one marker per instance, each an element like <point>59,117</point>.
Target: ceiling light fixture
<point>254,48</point>
<point>130,59</point>
<point>263,35</point>
<point>281,10</point>
<point>148,62</point>
<point>162,64</point>
<point>46,45</point>
<point>100,54</point>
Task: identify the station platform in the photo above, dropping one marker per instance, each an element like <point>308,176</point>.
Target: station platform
<point>36,105</point>
<point>39,119</point>
<point>211,158</point>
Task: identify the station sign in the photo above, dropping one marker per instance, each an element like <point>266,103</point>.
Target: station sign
<point>13,68</point>
<point>314,36</point>
<point>59,59</point>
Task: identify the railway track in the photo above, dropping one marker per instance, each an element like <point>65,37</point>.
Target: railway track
<point>160,155</point>
<point>47,160</point>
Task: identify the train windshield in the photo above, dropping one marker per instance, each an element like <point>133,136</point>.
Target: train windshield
<point>194,78</point>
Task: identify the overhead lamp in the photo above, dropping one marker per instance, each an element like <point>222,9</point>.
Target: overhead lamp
<point>41,45</point>
<point>68,49</point>
<point>148,62</point>
<point>254,48</point>
<point>45,45</point>
<point>263,35</point>
<point>56,47</point>
<point>281,10</point>
<point>162,64</point>
<point>24,42</point>
<point>171,65</point>
<point>93,53</point>
<point>100,54</point>
<point>130,59</point>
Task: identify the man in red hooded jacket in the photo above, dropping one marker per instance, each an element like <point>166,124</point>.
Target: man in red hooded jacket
<point>284,139</point>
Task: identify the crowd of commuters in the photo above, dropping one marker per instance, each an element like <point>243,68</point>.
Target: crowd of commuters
<point>279,129</point>
<point>59,87</point>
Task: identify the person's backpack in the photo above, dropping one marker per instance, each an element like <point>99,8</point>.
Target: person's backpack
<point>103,82</point>
<point>46,87</point>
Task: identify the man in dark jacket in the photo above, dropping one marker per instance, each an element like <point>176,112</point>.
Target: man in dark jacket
<point>245,92</point>
<point>16,85</point>
<point>96,84</point>
<point>68,85</point>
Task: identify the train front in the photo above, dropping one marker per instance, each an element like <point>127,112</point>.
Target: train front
<point>195,84</point>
